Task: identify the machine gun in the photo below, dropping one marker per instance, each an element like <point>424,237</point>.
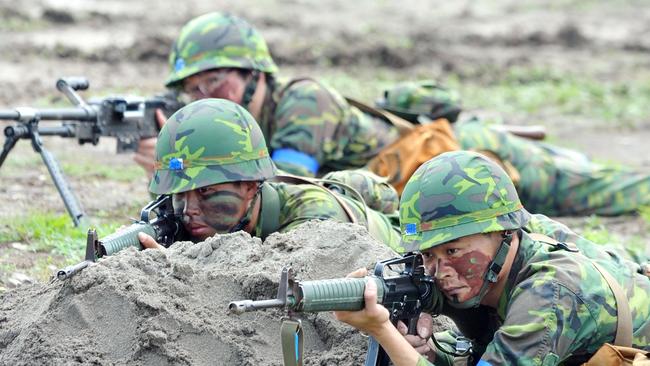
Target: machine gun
<point>164,226</point>
<point>405,296</point>
<point>128,119</point>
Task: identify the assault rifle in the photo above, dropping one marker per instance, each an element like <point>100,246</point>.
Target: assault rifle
<point>128,119</point>
<point>405,296</point>
<point>164,226</point>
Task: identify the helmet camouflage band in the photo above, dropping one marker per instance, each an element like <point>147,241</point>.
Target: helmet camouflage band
<point>207,142</point>
<point>217,40</point>
<point>412,99</point>
<point>457,194</point>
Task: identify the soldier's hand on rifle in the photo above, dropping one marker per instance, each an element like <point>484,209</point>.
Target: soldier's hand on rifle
<point>420,341</point>
<point>145,156</point>
<point>374,317</point>
<point>148,242</point>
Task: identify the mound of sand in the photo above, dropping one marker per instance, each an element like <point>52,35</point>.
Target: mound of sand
<point>158,307</point>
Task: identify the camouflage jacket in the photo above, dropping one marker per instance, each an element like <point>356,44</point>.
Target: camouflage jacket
<point>285,206</point>
<point>556,306</point>
<point>303,120</point>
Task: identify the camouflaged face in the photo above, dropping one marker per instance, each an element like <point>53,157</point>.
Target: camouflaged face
<point>457,194</point>
<point>207,142</point>
<point>217,40</point>
<point>411,99</point>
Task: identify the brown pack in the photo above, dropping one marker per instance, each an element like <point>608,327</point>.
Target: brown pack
<point>612,355</point>
<point>399,160</point>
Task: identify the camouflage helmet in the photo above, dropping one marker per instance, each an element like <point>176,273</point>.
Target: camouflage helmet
<point>207,142</point>
<point>410,100</point>
<point>217,40</point>
<point>457,194</point>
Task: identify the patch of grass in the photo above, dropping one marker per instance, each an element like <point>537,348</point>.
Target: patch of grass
<point>596,231</point>
<point>84,169</point>
<point>20,24</point>
<point>51,232</point>
<point>526,90</point>
<point>644,212</point>
<point>634,246</point>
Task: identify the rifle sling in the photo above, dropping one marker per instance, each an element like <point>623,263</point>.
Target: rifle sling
<point>402,125</point>
<point>270,211</point>
<point>624,316</point>
<point>292,342</point>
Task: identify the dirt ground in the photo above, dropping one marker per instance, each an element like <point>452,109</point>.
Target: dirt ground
<point>170,307</point>
<point>122,46</point>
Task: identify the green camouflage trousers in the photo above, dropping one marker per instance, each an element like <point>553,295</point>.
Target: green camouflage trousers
<point>557,181</point>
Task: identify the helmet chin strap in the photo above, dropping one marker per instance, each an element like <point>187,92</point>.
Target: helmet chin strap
<point>491,275</point>
<point>245,219</point>
<point>251,86</point>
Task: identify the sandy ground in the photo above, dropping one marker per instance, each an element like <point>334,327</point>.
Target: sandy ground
<point>122,46</point>
<point>169,307</point>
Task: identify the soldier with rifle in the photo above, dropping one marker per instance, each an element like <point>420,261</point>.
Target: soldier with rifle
<point>311,129</point>
<point>211,158</point>
<point>214,175</point>
<point>525,298</point>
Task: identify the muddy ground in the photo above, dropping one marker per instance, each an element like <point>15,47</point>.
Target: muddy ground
<point>122,46</point>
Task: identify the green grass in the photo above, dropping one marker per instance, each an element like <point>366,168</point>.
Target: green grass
<point>85,169</point>
<point>596,231</point>
<point>51,232</point>
<point>644,212</point>
<point>634,246</point>
<point>536,90</point>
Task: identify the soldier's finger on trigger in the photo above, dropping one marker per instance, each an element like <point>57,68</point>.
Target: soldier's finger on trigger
<point>401,327</point>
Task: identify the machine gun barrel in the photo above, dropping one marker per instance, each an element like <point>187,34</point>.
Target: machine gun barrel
<point>49,114</point>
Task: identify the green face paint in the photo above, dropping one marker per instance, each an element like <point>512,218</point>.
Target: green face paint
<point>209,210</point>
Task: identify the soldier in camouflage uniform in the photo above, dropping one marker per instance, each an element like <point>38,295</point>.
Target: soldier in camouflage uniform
<point>312,130</point>
<point>551,180</point>
<point>231,185</point>
<point>545,302</point>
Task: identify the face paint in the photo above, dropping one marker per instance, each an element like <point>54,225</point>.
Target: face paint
<point>209,210</point>
<point>470,269</point>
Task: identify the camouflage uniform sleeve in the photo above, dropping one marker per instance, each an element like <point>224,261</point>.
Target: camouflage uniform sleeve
<point>302,203</point>
<point>544,324</point>
<point>306,121</point>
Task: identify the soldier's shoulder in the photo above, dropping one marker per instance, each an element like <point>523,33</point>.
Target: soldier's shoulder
<point>308,90</point>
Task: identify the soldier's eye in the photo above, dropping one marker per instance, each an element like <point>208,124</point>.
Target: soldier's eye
<point>204,190</point>
<point>452,251</point>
